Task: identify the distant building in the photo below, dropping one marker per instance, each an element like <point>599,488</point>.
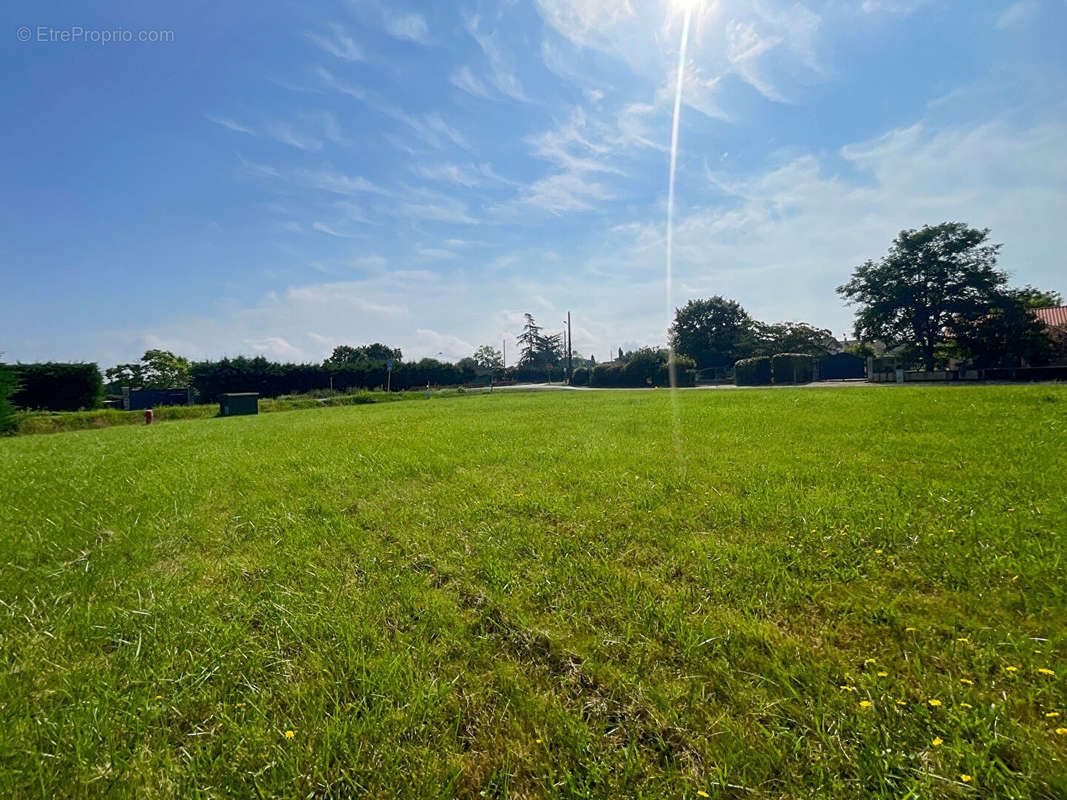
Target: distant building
<point>1053,316</point>
<point>139,399</point>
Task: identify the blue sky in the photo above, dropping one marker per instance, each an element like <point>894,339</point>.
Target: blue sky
<point>280,178</point>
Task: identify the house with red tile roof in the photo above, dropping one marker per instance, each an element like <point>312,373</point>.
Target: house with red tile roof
<point>1054,316</point>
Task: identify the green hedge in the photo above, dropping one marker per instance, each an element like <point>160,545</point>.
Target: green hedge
<point>58,387</point>
<point>8,384</point>
<point>272,379</point>
<point>645,368</point>
<point>753,371</point>
<point>792,368</point>
<point>580,376</point>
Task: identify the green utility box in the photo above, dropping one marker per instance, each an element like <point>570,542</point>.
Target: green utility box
<point>236,403</point>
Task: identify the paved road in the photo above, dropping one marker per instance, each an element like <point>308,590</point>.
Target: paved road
<point>549,387</point>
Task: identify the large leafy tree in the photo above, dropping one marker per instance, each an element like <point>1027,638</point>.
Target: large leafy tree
<point>488,358</point>
<point>714,332</point>
<point>1007,333</point>
<point>1037,298</point>
<point>345,354</point>
<point>930,277</point>
<point>536,349</point>
<point>157,369</point>
<point>795,337</point>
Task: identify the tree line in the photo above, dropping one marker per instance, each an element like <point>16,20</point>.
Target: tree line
<point>937,296</point>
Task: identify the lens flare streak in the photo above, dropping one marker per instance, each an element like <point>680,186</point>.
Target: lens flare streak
<point>670,218</point>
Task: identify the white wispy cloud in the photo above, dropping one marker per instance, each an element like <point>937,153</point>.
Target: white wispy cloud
<point>427,204</point>
<point>1019,13</point>
<point>574,144</point>
<point>449,173</point>
<point>463,78</point>
<point>442,345</point>
<point>431,128</point>
<point>330,230</point>
<point>258,170</point>
<point>337,43</point>
<point>337,84</point>
<point>274,347</point>
<point>565,192</point>
<point>286,134</point>
<point>231,125</point>
<point>467,175</point>
<point>435,253</point>
<point>501,70</point>
<point>745,49</point>
<point>338,182</point>
<point>901,7</point>
<point>412,27</point>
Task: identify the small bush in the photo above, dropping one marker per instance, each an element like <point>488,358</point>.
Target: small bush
<point>606,375</point>
<point>58,387</point>
<point>580,376</point>
<point>645,368</point>
<point>792,368</point>
<point>753,371</point>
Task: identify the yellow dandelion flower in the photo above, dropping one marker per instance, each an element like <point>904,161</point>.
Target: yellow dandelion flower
<point>934,702</point>
<point>869,660</point>
<point>159,697</point>
<point>966,681</point>
<point>965,778</point>
<point>845,688</point>
<point>290,734</point>
<point>909,629</point>
<point>966,705</point>
<point>702,793</point>
<point>937,741</point>
<point>1052,714</point>
<point>865,703</point>
<point>883,674</point>
<point>539,741</point>
<point>950,530</point>
<point>962,639</point>
<point>1044,671</point>
<point>1061,731</point>
<point>879,551</point>
<point>901,703</point>
<point>1012,669</point>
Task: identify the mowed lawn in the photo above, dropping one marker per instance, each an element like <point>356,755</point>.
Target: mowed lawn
<point>759,594</point>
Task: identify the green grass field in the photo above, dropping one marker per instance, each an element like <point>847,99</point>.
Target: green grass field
<point>760,594</point>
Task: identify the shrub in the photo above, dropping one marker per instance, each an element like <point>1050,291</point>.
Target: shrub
<point>580,376</point>
<point>645,367</point>
<point>58,387</point>
<point>792,368</point>
<point>8,384</point>
<point>684,372</point>
<point>606,375</point>
<point>753,371</point>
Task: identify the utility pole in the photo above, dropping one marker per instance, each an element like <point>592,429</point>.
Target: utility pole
<point>570,348</point>
<point>504,357</point>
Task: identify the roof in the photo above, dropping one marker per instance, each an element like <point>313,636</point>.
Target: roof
<point>1054,317</point>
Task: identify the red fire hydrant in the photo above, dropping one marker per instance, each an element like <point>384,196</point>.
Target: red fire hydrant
<point>148,416</point>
